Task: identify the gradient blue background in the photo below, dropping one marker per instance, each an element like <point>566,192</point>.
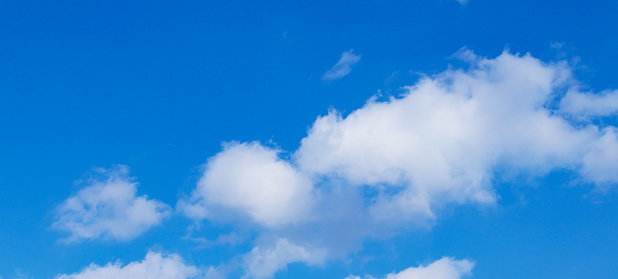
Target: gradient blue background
<point>158,86</point>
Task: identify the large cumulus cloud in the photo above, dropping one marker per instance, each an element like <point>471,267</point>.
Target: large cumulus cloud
<point>397,162</point>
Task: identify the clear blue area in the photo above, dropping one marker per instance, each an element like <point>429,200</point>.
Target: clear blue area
<point>159,85</point>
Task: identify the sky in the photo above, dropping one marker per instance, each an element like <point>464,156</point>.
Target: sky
<point>426,139</point>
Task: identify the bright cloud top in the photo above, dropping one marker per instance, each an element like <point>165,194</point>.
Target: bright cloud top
<point>249,180</point>
<point>444,142</point>
<point>109,208</point>
<point>445,268</point>
<point>154,266</point>
<point>343,66</point>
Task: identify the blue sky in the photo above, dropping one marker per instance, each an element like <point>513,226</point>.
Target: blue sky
<point>326,139</point>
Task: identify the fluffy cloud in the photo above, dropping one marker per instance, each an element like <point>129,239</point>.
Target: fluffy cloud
<point>109,208</point>
<point>600,165</point>
<point>445,268</point>
<point>590,104</point>
<point>343,66</point>
<point>249,180</point>
<point>444,139</point>
<point>396,162</point>
<point>154,266</point>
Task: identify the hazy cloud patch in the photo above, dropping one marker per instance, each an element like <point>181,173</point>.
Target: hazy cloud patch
<point>343,67</point>
<point>108,207</point>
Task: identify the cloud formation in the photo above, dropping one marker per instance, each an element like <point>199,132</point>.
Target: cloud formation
<point>109,208</point>
<point>445,268</point>
<point>263,262</point>
<point>153,266</point>
<point>248,180</point>
<point>397,162</point>
<point>600,165</point>
<point>343,66</point>
<point>441,142</point>
<point>589,104</point>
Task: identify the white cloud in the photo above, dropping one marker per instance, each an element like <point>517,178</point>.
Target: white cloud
<point>154,266</point>
<point>214,273</point>
<point>250,179</point>
<point>396,163</point>
<point>263,262</point>
<point>463,2</point>
<point>600,165</point>
<point>343,66</point>
<point>445,268</point>
<point>590,105</point>
<point>109,208</point>
<point>444,139</point>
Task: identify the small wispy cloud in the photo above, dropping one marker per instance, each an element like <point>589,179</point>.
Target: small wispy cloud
<point>560,48</point>
<point>343,66</point>
<point>463,2</point>
<point>465,54</point>
<point>109,208</point>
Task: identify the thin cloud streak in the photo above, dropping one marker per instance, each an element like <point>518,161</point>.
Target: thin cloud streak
<point>343,66</point>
